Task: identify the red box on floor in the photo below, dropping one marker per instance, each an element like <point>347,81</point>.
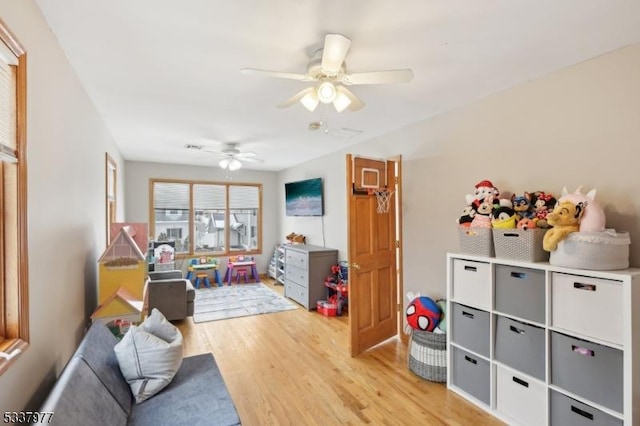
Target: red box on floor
<point>327,309</point>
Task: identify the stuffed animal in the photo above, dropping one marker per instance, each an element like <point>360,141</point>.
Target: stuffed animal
<point>525,224</point>
<point>442,324</point>
<point>504,218</point>
<point>485,189</point>
<point>542,204</point>
<point>482,218</point>
<point>423,313</point>
<point>296,238</point>
<point>467,216</point>
<point>593,219</point>
<point>522,205</point>
<point>565,219</point>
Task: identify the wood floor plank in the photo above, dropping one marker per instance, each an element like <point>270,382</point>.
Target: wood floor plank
<point>294,368</point>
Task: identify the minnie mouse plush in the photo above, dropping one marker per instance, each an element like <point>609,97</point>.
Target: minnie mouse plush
<point>543,204</point>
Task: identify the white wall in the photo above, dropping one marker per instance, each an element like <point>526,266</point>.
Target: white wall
<point>137,195</point>
<point>66,145</point>
<point>579,126</point>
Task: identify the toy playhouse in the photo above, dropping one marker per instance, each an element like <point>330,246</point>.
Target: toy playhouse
<point>119,311</point>
<point>121,275</point>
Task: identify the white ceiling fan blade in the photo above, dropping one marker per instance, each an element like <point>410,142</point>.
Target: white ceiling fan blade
<point>277,74</point>
<point>215,152</point>
<point>335,49</point>
<point>355,105</point>
<point>379,77</point>
<point>251,159</point>
<point>245,155</point>
<point>296,98</point>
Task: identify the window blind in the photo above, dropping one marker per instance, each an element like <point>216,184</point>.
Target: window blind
<point>171,196</point>
<point>244,197</point>
<point>209,197</point>
<point>8,140</point>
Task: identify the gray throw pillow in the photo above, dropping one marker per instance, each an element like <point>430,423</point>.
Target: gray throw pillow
<point>149,355</point>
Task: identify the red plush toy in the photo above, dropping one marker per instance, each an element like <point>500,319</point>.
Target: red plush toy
<point>423,313</point>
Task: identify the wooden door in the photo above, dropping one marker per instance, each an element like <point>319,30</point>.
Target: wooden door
<point>373,279</point>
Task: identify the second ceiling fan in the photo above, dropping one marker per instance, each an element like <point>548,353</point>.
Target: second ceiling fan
<point>328,71</point>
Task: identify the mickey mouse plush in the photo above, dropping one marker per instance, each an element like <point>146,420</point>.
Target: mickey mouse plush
<point>467,216</point>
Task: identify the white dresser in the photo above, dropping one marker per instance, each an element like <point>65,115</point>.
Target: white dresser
<point>536,344</point>
<point>305,268</point>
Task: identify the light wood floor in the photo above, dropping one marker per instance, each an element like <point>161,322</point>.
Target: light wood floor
<point>294,368</point>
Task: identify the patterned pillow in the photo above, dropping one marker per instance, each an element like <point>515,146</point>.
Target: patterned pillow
<point>149,355</point>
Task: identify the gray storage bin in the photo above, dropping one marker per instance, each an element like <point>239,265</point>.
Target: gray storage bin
<point>471,374</point>
<point>520,346</point>
<point>587,369</point>
<point>470,328</point>
<point>567,411</point>
<point>520,292</point>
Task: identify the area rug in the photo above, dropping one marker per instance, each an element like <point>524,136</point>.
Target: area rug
<point>217,303</point>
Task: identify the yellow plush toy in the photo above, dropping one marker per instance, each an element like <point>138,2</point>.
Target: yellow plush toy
<point>565,219</point>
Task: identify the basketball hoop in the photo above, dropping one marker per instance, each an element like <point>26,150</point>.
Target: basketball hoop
<point>383,198</point>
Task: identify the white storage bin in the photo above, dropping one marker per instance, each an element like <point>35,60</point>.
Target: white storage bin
<point>472,283</point>
<point>599,251</point>
<point>576,300</point>
<point>520,397</point>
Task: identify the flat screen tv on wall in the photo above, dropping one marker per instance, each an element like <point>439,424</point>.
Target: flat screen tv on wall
<point>304,198</point>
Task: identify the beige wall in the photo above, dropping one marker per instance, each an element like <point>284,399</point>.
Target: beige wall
<point>67,141</point>
<point>578,126</point>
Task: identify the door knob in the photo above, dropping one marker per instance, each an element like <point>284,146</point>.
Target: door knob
<point>354,266</point>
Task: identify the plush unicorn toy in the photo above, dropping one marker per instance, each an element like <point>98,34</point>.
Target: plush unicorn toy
<point>593,218</point>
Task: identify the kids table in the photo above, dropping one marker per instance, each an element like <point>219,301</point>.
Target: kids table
<point>228,276</point>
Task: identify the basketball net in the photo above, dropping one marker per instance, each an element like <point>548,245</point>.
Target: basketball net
<point>383,198</point>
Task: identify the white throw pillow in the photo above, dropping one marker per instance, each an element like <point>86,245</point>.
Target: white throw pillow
<point>149,355</point>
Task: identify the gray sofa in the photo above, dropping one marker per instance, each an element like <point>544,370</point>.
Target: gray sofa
<point>92,391</point>
<point>170,293</point>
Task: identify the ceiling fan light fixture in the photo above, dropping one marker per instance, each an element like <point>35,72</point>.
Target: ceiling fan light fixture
<point>224,163</point>
<point>310,100</point>
<point>342,101</point>
<point>326,92</point>
<point>234,164</point>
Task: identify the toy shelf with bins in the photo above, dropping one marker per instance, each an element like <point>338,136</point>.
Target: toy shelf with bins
<point>280,265</point>
<point>537,344</point>
<point>273,264</point>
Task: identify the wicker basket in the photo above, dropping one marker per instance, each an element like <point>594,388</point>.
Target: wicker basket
<point>477,241</point>
<point>427,355</point>
<point>520,244</point>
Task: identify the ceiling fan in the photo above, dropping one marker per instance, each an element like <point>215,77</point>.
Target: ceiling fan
<point>231,158</point>
<point>328,71</point>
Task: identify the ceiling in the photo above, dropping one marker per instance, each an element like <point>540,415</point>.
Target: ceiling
<point>164,74</point>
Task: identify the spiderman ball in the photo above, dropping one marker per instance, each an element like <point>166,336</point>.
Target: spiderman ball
<point>423,314</point>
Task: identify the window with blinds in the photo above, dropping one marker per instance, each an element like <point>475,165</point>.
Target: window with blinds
<point>14,306</point>
<point>207,217</point>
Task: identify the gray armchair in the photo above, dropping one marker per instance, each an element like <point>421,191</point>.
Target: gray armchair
<point>172,294</point>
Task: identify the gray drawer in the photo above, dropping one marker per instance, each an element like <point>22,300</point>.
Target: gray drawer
<point>567,411</point>
<point>297,259</point>
<point>298,293</point>
<point>520,292</point>
<point>295,274</point>
<point>470,328</point>
<point>471,374</point>
<point>520,346</point>
<point>587,369</point>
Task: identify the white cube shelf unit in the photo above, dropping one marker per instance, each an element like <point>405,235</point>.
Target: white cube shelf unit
<point>537,344</point>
